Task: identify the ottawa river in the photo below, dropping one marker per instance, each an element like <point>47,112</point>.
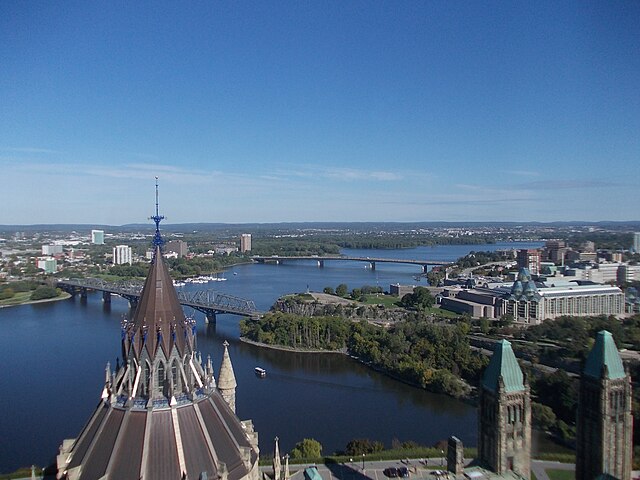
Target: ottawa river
<point>53,357</point>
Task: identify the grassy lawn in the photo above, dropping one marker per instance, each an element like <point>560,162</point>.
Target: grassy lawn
<point>19,297</point>
<point>443,313</point>
<point>561,474</point>
<point>381,299</point>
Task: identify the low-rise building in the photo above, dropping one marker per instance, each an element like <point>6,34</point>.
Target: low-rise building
<point>400,290</point>
<point>530,302</point>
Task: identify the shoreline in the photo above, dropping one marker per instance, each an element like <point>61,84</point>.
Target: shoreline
<point>63,296</point>
<point>289,349</point>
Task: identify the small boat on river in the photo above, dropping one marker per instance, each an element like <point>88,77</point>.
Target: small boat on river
<point>261,372</point>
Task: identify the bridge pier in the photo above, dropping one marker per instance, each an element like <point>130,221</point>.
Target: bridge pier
<point>425,268</point>
<point>320,263</point>
<point>372,265</point>
<point>210,318</point>
<point>106,297</point>
<point>83,293</point>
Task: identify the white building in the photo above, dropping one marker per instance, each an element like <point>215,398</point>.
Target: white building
<point>636,242</point>
<point>51,249</point>
<point>121,255</point>
<point>97,237</point>
<point>245,242</point>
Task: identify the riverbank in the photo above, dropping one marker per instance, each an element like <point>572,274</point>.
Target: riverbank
<point>289,349</point>
<point>62,296</point>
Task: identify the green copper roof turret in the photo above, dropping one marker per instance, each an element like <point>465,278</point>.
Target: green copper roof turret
<point>503,364</point>
<point>604,353</point>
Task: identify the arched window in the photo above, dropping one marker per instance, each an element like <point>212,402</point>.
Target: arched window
<point>175,376</point>
<point>160,378</point>
<point>146,387</point>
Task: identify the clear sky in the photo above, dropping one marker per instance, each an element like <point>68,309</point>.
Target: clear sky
<point>319,111</point>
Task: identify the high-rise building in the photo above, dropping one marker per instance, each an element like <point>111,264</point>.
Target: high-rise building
<point>245,242</point>
<point>504,437</point>
<point>556,250</point>
<point>121,255</point>
<point>97,237</point>
<point>529,259</point>
<point>604,438</point>
<point>179,247</point>
<point>636,242</point>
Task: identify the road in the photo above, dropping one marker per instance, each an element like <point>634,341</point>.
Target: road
<point>417,468</point>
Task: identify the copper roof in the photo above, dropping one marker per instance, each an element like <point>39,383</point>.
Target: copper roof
<point>159,320</point>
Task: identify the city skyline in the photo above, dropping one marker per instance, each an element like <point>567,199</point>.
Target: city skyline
<point>420,111</point>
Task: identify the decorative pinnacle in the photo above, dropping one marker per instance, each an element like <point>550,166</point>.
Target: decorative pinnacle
<point>157,238</point>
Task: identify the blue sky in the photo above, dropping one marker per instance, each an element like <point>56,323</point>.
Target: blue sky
<point>319,111</point>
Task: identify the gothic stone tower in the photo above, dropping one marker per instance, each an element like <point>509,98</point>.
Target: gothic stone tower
<point>504,440</point>
<point>604,433</point>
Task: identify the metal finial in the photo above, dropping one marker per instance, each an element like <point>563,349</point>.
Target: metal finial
<point>157,239</point>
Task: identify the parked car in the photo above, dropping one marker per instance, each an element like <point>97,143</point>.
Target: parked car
<point>403,472</point>
<point>391,472</point>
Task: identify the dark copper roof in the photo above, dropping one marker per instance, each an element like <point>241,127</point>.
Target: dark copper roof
<point>159,320</point>
<point>130,444</point>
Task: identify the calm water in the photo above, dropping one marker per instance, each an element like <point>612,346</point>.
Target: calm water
<point>53,358</point>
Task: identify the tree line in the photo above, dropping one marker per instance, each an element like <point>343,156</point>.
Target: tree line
<point>435,357</point>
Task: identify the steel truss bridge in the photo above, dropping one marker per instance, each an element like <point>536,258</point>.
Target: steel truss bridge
<point>278,259</point>
<point>208,302</point>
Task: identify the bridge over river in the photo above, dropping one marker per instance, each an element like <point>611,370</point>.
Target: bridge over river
<point>208,302</point>
<point>425,264</point>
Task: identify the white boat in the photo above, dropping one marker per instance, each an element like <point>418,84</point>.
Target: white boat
<point>261,372</point>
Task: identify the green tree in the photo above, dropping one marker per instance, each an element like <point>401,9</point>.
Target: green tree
<point>342,290</point>
<point>307,448</point>
<point>484,325</point>
<point>358,446</point>
<point>542,416</point>
<point>43,292</point>
<point>7,293</point>
<point>329,290</point>
<point>434,277</point>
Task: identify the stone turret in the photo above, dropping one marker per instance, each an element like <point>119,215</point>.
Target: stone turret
<point>604,439</point>
<point>227,379</point>
<point>504,439</point>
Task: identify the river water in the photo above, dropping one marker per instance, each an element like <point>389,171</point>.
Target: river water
<point>53,358</point>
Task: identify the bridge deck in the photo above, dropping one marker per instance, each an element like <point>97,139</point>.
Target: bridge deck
<point>207,301</point>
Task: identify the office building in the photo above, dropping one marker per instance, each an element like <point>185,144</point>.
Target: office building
<point>529,259</point>
<point>177,247</point>
<point>121,255</point>
<point>97,237</point>
<point>636,242</point>
<point>245,242</point>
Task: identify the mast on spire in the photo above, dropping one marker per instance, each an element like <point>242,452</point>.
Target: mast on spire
<point>157,238</point>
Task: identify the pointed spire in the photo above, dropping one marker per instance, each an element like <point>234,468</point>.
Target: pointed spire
<point>286,475</point>
<point>227,379</point>
<point>157,218</point>
<point>277,466</point>
<point>211,381</point>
